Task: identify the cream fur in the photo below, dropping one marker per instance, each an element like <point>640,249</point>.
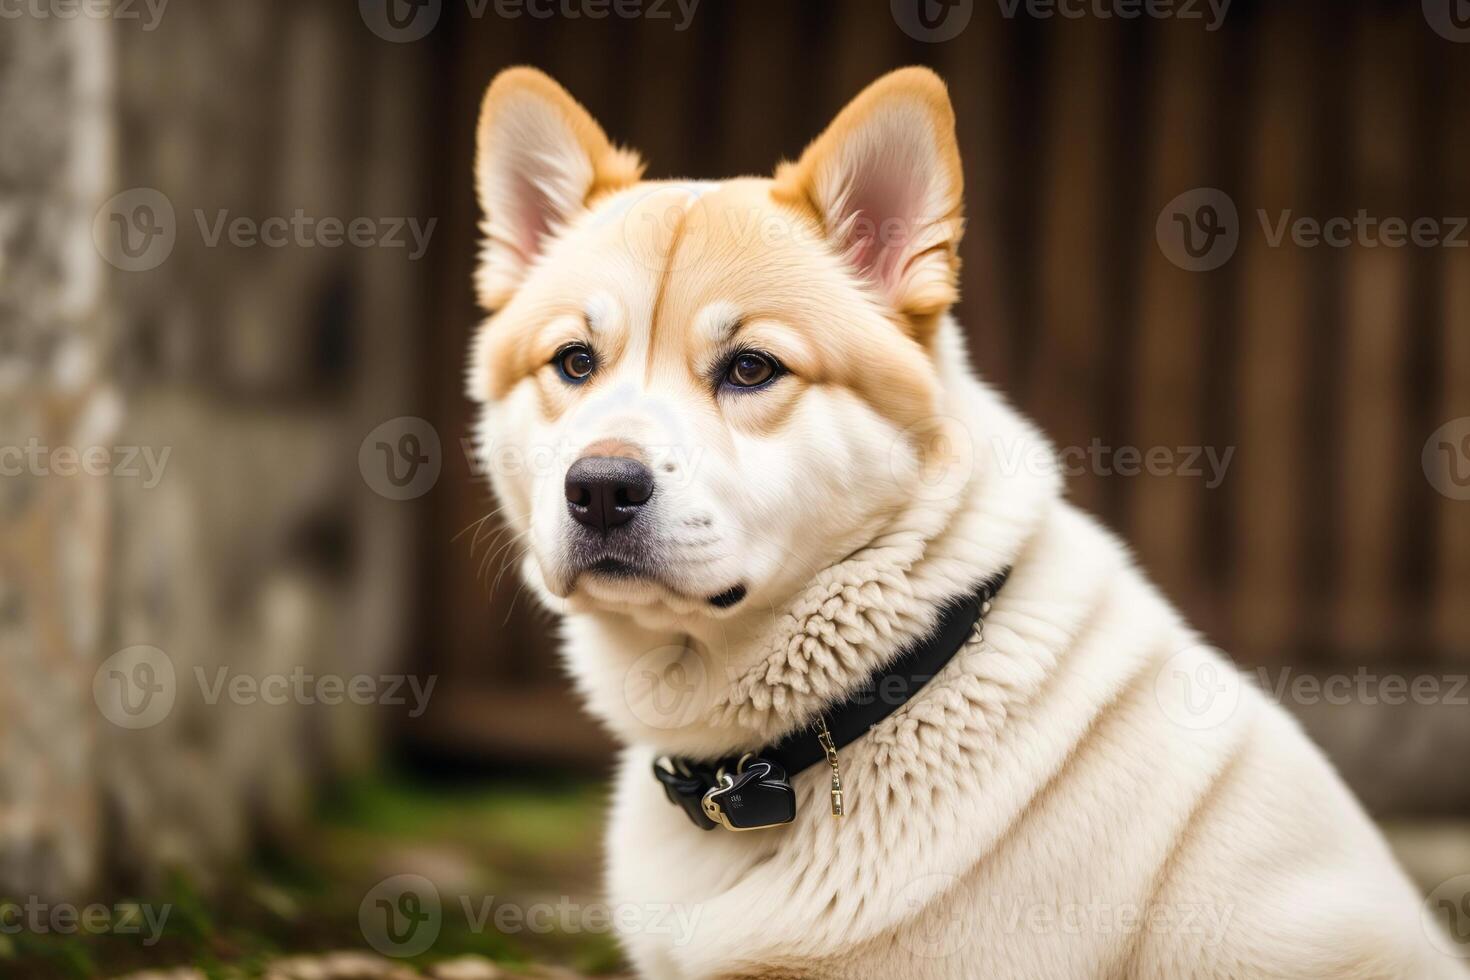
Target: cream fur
<point>1047,806</point>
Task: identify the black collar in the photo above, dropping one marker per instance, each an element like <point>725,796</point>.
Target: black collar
<point>753,791</point>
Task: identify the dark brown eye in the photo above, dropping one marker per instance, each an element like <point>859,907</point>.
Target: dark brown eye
<point>751,370</point>
<point>575,363</point>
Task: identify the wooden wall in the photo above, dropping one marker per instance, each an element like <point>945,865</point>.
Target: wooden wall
<point>1324,369</point>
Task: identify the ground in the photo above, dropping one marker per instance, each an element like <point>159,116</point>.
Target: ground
<point>294,913</point>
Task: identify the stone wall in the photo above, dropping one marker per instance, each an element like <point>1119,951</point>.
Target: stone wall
<point>227,386</point>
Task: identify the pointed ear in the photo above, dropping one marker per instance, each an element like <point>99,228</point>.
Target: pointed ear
<point>539,158</point>
<point>885,183</point>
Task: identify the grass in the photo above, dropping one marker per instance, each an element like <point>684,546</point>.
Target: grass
<point>521,844</point>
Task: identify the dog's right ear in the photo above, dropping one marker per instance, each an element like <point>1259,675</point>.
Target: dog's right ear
<point>539,159</point>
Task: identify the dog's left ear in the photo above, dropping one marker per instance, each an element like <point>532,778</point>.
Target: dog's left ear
<point>539,159</point>
<point>885,183</point>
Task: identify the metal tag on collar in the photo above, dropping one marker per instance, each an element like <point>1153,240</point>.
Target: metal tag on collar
<point>825,738</point>
<point>756,797</point>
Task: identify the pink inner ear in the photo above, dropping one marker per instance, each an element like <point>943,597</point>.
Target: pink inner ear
<point>880,221</point>
<point>530,222</point>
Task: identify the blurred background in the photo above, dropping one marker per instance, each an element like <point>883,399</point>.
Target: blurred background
<point>262,657</point>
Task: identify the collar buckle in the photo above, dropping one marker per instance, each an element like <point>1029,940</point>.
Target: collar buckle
<point>758,796</point>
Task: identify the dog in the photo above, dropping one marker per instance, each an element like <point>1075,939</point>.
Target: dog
<point>736,432</point>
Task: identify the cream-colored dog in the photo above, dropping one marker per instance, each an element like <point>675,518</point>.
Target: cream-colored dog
<point>740,441</point>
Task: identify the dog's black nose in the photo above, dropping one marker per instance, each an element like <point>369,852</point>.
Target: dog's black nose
<point>606,491</point>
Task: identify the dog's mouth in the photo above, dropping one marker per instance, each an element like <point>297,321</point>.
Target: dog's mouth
<point>623,570</point>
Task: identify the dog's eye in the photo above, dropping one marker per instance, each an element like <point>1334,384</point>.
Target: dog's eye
<point>750,369</point>
<point>575,362</point>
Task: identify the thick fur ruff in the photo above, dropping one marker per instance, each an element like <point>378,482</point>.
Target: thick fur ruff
<point>1037,810</point>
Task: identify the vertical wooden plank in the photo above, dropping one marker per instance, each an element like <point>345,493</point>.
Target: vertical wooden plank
<point>1164,508</point>
<point>1451,605</point>
<point>1271,375</point>
<point>974,66</point>
<point>661,99</point>
<point>474,632</point>
<point>763,57</point>
<point>1069,342</point>
<point>1370,421</point>
<point>865,43</point>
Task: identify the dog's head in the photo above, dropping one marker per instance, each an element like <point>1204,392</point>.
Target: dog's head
<point>696,395</point>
